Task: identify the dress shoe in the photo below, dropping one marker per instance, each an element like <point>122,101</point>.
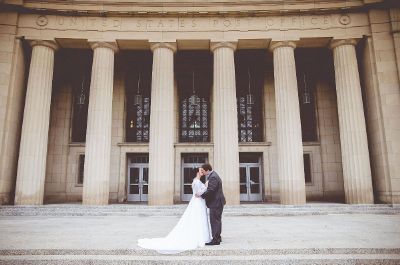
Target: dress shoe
<point>212,243</point>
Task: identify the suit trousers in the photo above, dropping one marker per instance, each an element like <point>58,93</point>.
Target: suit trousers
<point>216,222</point>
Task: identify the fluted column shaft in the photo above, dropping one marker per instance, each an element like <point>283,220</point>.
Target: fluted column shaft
<point>98,133</point>
<point>289,139</point>
<point>225,122</point>
<point>353,134</point>
<point>162,126</point>
<point>35,126</point>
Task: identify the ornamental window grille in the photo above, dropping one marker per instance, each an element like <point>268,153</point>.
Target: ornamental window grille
<point>194,83</point>
<point>138,98</point>
<point>249,93</point>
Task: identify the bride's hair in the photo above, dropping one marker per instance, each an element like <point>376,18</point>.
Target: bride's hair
<point>195,170</point>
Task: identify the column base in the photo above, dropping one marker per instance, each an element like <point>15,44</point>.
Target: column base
<point>6,198</point>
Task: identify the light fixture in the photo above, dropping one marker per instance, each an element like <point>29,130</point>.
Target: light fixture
<point>194,100</point>
<point>306,94</point>
<point>82,96</point>
<point>137,99</point>
<point>249,96</point>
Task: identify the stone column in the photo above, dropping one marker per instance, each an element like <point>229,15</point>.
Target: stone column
<point>225,122</point>
<point>162,126</point>
<point>395,23</point>
<point>98,133</point>
<point>353,134</point>
<point>35,126</point>
<point>289,139</point>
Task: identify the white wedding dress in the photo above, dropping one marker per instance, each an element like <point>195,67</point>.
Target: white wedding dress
<point>191,231</point>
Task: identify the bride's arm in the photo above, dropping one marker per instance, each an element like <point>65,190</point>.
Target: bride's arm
<point>199,188</point>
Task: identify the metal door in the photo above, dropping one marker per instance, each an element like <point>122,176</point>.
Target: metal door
<point>250,182</point>
<point>138,181</point>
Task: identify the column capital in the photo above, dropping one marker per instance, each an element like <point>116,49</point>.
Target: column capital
<point>336,43</point>
<point>168,45</point>
<point>47,43</point>
<point>278,44</point>
<point>103,44</point>
<point>225,44</point>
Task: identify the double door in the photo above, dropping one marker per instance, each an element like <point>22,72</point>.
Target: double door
<point>250,182</point>
<point>138,180</point>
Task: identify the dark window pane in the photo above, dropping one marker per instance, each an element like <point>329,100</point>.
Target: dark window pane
<point>145,189</point>
<point>243,189</point>
<point>134,175</point>
<point>243,178</point>
<point>254,174</point>
<point>307,168</point>
<point>187,189</point>
<point>146,174</point>
<point>134,189</point>
<point>249,158</point>
<point>255,188</point>
<point>306,75</point>
<point>81,169</point>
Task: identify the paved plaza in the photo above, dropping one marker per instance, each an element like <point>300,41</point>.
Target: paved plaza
<point>112,234</point>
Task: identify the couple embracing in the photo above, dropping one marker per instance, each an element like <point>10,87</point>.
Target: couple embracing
<point>192,229</point>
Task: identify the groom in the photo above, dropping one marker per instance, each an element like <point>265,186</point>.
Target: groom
<point>215,200</point>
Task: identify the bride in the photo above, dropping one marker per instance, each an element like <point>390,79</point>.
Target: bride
<point>192,229</point>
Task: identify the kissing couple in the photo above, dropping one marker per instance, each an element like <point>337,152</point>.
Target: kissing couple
<point>192,229</point>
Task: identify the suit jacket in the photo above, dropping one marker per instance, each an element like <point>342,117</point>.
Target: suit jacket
<point>214,194</point>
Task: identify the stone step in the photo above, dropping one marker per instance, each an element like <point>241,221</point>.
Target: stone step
<point>177,210</point>
<point>254,256</point>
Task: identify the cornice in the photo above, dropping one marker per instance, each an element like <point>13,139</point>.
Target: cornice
<point>190,8</point>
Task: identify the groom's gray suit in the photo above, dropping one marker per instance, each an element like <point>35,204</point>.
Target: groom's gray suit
<point>215,200</point>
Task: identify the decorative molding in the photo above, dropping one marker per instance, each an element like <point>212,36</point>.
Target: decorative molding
<point>191,8</point>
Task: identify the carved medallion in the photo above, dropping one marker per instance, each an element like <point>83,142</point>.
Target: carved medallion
<point>42,21</point>
<point>344,20</point>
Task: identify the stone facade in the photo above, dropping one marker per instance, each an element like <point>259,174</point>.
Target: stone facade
<point>355,48</point>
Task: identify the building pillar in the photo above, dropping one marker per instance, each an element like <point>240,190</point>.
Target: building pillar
<point>35,126</point>
<point>162,126</point>
<point>395,23</point>
<point>225,122</point>
<point>289,139</point>
<point>353,135</point>
<point>98,133</point>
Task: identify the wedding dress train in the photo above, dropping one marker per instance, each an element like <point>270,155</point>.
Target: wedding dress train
<point>191,231</point>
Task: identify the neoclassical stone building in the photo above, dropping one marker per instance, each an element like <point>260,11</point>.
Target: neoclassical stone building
<point>117,101</point>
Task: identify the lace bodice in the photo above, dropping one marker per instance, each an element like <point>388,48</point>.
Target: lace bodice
<point>198,187</point>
